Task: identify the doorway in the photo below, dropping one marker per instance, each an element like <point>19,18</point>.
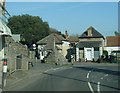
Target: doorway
<point>89,54</point>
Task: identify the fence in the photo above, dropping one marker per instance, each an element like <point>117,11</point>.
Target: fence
<point>115,56</point>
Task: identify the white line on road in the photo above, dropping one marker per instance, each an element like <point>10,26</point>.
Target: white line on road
<point>98,87</point>
<point>56,68</point>
<point>48,70</point>
<point>90,71</point>
<point>104,76</point>
<point>88,75</point>
<point>91,89</point>
<point>53,69</point>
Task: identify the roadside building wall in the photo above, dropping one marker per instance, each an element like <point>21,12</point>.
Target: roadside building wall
<point>14,49</point>
<point>112,44</point>
<point>110,49</point>
<point>90,46</point>
<point>1,63</point>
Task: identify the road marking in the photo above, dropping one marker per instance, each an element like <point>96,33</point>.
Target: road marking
<point>91,89</point>
<point>56,68</point>
<point>88,75</point>
<point>90,71</point>
<point>53,69</point>
<point>98,87</point>
<point>48,70</point>
<point>104,76</point>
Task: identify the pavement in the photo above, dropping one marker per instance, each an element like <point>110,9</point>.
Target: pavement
<point>19,75</point>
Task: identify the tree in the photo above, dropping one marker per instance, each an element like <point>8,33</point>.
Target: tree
<point>53,30</point>
<point>31,28</point>
<point>117,33</point>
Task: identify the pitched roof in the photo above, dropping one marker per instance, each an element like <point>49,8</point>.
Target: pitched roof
<point>73,39</point>
<point>51,38</point>
<point>91,33</point>
<point>89,44</point>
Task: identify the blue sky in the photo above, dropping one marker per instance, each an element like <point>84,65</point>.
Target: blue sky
<point>75,17</point>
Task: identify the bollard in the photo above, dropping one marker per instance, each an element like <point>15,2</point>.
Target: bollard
<point>4,72</point>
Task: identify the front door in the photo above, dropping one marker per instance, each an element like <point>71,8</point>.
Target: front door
<point>89,54</point>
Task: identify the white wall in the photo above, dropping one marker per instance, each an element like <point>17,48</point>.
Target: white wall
<point>77,54</point>
<point>110,49</point>
<point>1,50</point>
<point>65,46</point>
<point>1,57</point>
<point>88,54</point>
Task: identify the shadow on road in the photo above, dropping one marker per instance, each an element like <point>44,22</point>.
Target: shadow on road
<point>88,69</point>
<point>106,71</point>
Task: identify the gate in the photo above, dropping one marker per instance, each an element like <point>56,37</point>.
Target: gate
<point>19,62</point>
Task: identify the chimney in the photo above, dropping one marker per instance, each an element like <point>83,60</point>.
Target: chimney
<point>66,34</point>
<point>3,6</point>
<point>90,31</point>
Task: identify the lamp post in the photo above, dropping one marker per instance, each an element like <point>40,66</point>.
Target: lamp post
<point>34,48</point>
<point>8,56</point>
<point>5,64</point>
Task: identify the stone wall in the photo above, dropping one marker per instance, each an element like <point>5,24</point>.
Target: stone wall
<point>12,51</point>
<point>59,58</point>
<point>56,57</point>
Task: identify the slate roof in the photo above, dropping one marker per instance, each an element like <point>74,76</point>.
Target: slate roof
<point>95,33</point>
<point>89,44</point>
<point>51,38</point>
<point>50,41</point>
<point>73,39</point>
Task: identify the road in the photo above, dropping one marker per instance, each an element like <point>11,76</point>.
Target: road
<point>90,77</point>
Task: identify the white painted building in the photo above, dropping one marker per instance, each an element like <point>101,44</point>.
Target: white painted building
<point>112,44</point>
<point>90,45</point>
<point>4,31</point>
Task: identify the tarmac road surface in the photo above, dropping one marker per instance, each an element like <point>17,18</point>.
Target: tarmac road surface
<point>90,77</point>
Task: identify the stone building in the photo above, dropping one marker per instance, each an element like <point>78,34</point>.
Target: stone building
<point>54,48</point>
<point>90,46</point>
<point>72,51</point>
<point>17,55</point>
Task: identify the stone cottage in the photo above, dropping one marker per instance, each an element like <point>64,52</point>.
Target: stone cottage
<point>71,52</point>
<point>90,45</point>
<point>54,48</point>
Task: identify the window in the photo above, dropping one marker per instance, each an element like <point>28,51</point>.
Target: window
<point>96,49</point>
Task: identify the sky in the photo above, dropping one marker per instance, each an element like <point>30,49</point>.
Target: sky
<point>75,17</point>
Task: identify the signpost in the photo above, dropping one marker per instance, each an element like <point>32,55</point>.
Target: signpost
<point>1,75</point>
<point>1,63</point>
